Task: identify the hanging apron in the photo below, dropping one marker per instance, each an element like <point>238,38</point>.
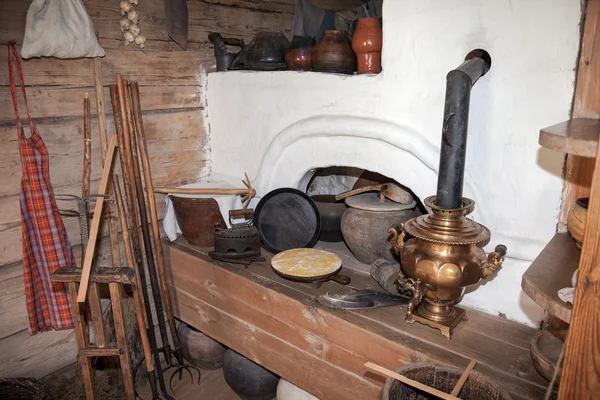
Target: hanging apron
<point>45,243</point>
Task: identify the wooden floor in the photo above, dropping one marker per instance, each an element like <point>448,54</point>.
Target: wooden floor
<point>278,324</point>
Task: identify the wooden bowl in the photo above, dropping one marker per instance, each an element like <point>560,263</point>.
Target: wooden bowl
<point>576,219</point>
<point>545,349</point>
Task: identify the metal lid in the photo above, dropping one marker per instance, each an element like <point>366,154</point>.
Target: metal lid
<point>449,226</point>
<point>371,202</point>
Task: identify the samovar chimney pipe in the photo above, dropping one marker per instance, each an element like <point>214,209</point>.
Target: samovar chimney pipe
<point>455,126</point>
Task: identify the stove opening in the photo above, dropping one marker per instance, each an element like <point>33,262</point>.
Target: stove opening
<point>356,228</point>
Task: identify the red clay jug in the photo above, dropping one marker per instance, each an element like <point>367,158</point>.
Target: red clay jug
<point>367,43</point>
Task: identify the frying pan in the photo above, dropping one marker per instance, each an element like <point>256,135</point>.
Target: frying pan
<point>317,276</point>
<point>287,219</point>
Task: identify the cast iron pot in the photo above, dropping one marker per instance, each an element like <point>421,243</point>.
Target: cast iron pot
<point>247,379</point>
<point>199,349</point>
<point>331,212</point>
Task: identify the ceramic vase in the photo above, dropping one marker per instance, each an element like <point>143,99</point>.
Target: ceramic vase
<point>367,44</point>
<point>334,54</point>
<point>299,58</point>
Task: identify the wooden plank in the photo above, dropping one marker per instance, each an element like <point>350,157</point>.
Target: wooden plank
<point>105,275</point>
<point>152,68</point>
<point>578,136</point>
<point>95,227</point>
<point>64,101</point>
<point>586,104</point>
<point>13,308</point>
<point>581,367</point>
<point>552,270</point>
<point>37,356</point>
<point>322,379</point>
<point>376,335</point>
<point>81,336</point>
<point>116,290</point>
<point>220,297</point>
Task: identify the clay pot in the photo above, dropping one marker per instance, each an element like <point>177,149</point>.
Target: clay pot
<point>199,219</point>
<point>331,212</point>
<point>366,222</point>
<point>247,379</point>
<point>576,219</point>
<point>367,44</point>
<point>334,54</point>
<point>299,59</point>
<point>199,349</point>
<point>476,387</point>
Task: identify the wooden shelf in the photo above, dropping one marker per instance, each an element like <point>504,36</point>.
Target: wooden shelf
<point>578,136</point>
<point>550,271</point>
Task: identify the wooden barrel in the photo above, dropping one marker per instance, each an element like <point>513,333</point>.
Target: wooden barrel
<point>477,386</point>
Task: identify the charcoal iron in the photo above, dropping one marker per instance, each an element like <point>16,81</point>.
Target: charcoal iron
<point>239,243</point>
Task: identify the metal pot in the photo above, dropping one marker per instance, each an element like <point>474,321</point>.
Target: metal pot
<point>366,222</point>
<point>331,217</point>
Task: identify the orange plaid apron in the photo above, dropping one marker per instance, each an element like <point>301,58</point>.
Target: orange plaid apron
<point>45,243</point>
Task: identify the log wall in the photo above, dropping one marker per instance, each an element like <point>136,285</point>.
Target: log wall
<point>171,87</point>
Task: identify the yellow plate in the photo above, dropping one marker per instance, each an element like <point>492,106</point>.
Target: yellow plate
<point>306,263</point>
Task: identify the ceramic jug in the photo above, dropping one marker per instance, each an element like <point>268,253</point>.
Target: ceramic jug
<point>367,44</point>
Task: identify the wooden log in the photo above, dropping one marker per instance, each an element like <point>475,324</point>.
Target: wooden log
<point>89,252</point>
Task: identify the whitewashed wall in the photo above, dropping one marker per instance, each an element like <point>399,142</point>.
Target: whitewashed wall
<point>277,126</point>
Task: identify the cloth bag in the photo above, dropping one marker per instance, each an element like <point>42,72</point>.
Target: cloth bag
<point>45,243</point>
<point>61,29</point>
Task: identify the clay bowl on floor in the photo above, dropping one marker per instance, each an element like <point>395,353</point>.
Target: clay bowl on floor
<point>199,349</point>
<point>576,219</point>
<point>477,386</point>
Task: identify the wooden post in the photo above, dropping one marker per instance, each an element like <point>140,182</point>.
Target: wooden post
<point>586,104</point>
<point>581,369</point>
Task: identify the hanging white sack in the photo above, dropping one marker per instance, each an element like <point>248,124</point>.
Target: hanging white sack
<point>61,29</point>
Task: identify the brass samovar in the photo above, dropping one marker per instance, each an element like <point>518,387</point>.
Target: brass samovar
<point>442,252</point>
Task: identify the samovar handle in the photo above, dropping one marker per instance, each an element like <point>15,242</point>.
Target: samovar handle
<point>494,261</point>
<point>397,239</point>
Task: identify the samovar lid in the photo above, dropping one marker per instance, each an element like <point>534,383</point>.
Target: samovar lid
<point>449,226</point>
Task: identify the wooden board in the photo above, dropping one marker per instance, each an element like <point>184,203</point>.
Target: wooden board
<point>577,136</point>
<point>37,356</point>
<point>586,104</point>
<point>552,270</point>
<point>216,298</point>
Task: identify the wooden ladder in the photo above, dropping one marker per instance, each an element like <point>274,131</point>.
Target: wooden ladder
<point>115,278</point>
